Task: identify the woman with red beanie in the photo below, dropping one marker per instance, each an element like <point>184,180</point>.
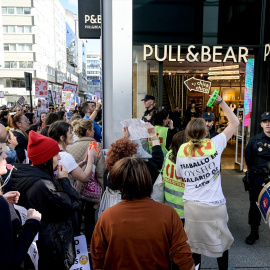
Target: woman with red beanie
<point>55,199</point>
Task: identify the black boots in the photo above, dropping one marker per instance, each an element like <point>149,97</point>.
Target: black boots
<point>253,236</point>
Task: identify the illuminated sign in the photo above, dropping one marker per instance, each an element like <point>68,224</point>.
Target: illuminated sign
<point>248,90</point>
<point>206,54</point>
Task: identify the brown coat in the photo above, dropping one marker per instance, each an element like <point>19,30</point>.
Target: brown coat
<point>79,150</point>
<point>140,234</point>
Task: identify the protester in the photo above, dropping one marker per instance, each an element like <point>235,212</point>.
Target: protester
<point>51,118</point>
<point>61,132</point>
<point>15,239</point>
<point>198,163</point>
<point>31,117</point>
<point>4,117</point>
<point>126,148</point>
<point>84,129</point>
<point>164,128</point>
<point>62,115</point>
<point>19,110</point>
<point>90,109</point>
<point>138,233</point>
<point>174,187</point>
<point>20,123</point>
<point>35,127</point>
<point>54,198</point>
<point>42,118</point>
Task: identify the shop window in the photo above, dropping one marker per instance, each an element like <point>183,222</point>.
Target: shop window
<point>10,10</point>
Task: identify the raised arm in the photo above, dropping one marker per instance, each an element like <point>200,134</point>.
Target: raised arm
<point>233,120</point>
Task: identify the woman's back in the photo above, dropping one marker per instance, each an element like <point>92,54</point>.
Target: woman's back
<point>140,234</point>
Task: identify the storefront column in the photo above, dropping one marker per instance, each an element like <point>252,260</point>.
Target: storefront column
<point>117,67</point>
<point>142,74</point>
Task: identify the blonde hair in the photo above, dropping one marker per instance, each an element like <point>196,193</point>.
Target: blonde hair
<point>81,126</point>
<point>195,132</point>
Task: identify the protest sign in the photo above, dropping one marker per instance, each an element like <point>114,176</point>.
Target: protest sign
<point>41,88</point>
<point>2,94</point>
<point>70,86</point>
<point>50,97</point>
<point>68,99</point>
<point>82,259</point>
<point>136,127</point>
<point>21,100</point>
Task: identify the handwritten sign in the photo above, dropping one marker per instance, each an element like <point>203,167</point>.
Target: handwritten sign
<point>136,128</point>
<point>82,259</point>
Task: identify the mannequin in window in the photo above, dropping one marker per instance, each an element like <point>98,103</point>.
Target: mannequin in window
<point>191,112</point>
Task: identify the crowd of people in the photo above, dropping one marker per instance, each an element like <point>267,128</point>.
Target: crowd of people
<point>56,169</point>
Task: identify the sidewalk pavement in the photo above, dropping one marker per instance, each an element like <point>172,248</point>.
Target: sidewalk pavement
<point>241,255</point>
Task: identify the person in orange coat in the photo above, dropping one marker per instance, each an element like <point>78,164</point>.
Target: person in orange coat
<point>138,233</point>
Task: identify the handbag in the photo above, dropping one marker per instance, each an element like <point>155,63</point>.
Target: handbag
<point>91,190</point>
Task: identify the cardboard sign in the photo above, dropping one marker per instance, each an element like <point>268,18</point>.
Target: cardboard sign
<point>41,88</point>
<point>82,259</point>
<point>43,105</point>
<point>70,86</point>
<point>21,100</point>
<point>68,99</point>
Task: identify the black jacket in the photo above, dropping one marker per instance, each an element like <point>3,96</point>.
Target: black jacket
<point>15,239</point>
<point>38,191</point>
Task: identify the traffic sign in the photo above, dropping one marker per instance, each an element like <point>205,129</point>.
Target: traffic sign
<point>194,84</point>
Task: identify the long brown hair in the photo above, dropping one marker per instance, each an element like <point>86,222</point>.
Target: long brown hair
<point>178,139</point>
<point>13,120</point>
<point>132,178</point>
<point>195,132</point>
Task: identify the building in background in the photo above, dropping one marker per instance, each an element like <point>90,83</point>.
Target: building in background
<point>94,73</point>
<point>39,37</point>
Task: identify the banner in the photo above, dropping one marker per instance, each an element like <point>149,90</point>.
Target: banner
<point>41,88</point>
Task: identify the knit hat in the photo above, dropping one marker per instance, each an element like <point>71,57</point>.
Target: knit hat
<point>40,148</point>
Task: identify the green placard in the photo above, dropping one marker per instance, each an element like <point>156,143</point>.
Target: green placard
<point>213,98</point>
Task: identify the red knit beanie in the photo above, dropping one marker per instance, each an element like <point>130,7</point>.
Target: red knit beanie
<point>40,148</point>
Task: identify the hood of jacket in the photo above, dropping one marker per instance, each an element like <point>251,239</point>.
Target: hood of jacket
<point>25,175</point>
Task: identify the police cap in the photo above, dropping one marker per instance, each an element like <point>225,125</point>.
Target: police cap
<point>148,97</point>
<point>208,116</point>
<point>265,116</point>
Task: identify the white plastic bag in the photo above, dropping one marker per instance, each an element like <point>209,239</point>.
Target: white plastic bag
<point>110,198</point>
<point>158,190</point>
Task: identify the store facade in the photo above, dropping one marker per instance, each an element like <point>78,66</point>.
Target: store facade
<point>156,46</point>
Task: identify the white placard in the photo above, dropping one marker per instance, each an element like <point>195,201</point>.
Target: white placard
<point>136,128</point>
<point>32,251</point>
<point>82,259</point>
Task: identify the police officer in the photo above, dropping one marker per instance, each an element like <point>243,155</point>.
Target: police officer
<point>149,104</point>
<point>209,120</point>
<point>256,155</point>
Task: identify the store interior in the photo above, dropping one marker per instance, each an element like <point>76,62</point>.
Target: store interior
<point>177,98</point>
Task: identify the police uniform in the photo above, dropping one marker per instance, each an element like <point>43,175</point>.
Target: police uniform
<point>208,116</point>
<point>257,153</point>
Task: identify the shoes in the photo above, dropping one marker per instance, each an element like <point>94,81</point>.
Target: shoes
<point>253,236</point>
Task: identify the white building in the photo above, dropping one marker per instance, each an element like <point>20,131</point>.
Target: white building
<point>35,41</point>
<point>94,73</point>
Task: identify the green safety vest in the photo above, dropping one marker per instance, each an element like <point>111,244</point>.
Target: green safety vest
<point>207,148</point>
<point>162,136</point>
<point>173,187</point>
